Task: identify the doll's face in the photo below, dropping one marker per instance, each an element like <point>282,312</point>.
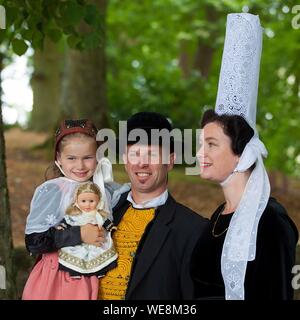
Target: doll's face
<point>87,201</point>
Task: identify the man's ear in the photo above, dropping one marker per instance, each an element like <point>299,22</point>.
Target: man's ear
<point>124,157</point>
<point>172,159</point>
<point>173,155</point>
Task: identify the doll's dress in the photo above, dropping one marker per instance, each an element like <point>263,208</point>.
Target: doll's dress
<point>87,259</point>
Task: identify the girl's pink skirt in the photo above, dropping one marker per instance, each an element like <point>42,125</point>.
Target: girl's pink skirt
<point>46,282</point>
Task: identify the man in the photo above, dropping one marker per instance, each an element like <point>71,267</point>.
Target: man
<point>156,235</point>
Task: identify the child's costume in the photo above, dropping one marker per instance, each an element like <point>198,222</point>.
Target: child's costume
<point>47,281</point>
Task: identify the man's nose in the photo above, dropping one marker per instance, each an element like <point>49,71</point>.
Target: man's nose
<point>143,160</point>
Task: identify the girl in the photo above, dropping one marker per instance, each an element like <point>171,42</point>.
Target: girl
<point>75,160</point>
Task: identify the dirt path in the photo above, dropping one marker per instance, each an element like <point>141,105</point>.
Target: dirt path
<point>25,170</point>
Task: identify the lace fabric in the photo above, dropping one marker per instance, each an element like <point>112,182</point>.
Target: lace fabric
<point>51,199</point>
<point>237,95</point>
<point>238,82</point>
<point>49,204</point>
<point>103,174</point>
<point>240,241</point>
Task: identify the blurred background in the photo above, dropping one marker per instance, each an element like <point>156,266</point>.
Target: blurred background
<point>107,59</point>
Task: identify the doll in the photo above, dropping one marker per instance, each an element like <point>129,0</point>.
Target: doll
<point>86,259</point>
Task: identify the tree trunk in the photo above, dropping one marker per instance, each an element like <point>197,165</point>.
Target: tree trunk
<point>203,59</point>
<point>285,183</point>
<point>6,243</point>
<point>205,50</point>
<point>184,59</point>
<point>84,81</point>
<point>45,83</point>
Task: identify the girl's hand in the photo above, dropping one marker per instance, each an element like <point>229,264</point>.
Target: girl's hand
<point>92,234</point>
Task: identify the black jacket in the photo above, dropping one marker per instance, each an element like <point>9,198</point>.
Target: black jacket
<point>268,276</point>
<point>161,265</point>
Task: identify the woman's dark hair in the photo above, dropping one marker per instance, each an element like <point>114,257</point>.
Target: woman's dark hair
<point>234,126</point>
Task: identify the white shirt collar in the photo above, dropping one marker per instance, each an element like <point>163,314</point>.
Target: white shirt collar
<point>153,203</point>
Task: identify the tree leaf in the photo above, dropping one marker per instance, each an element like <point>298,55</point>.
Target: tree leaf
<point>73,41</point>
<point>73,13</point>
<point>19,46</point>
<point>54,34</point>
<point>27,34</point>
<point>91,15</point>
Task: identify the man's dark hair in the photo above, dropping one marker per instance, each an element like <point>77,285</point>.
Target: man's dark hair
<point>149,121</point>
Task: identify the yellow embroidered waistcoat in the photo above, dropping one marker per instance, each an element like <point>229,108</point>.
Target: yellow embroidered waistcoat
<point>126,239</point>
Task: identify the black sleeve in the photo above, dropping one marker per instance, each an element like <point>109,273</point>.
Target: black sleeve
<point>52,240</point>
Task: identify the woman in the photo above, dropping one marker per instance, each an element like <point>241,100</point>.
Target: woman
<point>259,252</point>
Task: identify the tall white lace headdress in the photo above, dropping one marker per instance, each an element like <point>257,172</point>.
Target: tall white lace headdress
<point>237,95</point>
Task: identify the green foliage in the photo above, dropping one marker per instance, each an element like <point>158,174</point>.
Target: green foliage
<point>29,22</point>
<point>19,46</point>
<point>143,59</point>
<point>146,40</point>
<point>147,43</point>
<point>279,114</point>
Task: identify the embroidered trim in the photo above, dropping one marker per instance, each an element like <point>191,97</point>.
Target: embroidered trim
<point>69,259</point>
